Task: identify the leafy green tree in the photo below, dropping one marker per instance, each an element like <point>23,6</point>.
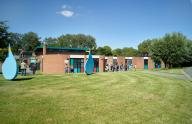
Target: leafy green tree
<point>171,49</point>
<point>100,51</point>
<point>4,39</point>
<point>30,40</point>
<point>16,42</point>
<point>51,41</point>
<point>65,40</point>
<point>129,51</point>
<point>90,42</point>
<point>77,41</point>
<point>188,55</point>
<point>106,50</point>
<point>117,52</point>
<point>144,47</point>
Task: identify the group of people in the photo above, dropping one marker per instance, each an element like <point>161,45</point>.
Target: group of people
<point>68,69</point>
<point>121,67</point>
<point>23,67</point>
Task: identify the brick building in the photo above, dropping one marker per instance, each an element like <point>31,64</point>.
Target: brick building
<point>58,59</point>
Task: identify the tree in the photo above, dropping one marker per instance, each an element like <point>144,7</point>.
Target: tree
<point>3,35</point>
<point>30,40</point>
<point>171,49</point>
<point>117,52</point>
<point>129,51</point>
<point>16,42</point>
<point>77,41</point>
<point>89,42</point>
<point>4,40</point>
<point>144,47</point>
<point>100,51</point>
<point>188,54</point>
<point>51,41</point>
<point>106,50</point>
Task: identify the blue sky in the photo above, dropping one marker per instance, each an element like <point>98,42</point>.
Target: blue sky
<point>117,23</point>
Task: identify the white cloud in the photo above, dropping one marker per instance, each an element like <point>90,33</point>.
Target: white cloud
<point>67,13</point>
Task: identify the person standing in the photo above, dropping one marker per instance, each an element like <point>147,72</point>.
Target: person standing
<point>72,69</point>
<point>135,67</point>
<point>66,68</point>
<point>23,68</point>
<point>33,68</point>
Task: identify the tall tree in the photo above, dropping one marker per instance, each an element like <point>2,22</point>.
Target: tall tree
<point>117,52</point>
<point>77,41</point>
<point>171,49</point>
<point>129,51</point>
<point>51,41</point>
<point>3,34</point>
<point>144,47</point>
<point>4,40</point>
<point>30,41</point>
<point>100,51</point>
<point>106,50</point>
<point>16,42</point>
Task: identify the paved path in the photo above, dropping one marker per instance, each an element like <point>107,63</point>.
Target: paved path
<point>164,74</point>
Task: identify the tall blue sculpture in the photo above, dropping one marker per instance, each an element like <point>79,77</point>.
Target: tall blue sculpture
<point>89,65</point>
<point>9,67</point>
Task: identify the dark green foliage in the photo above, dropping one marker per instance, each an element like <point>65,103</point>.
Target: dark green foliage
<point>126,51</point>
<point>30,40</point>
<point>3,34</point>
<point>16,42</point>
<point>144,47</point>
<point>173,49</point>
<point>106,50</point>
<point>4,40</point>
<point>3,53</point>
<point>129,51</point>
<point>77,41</point>
<point>117,52</point>
<point>51,41</point>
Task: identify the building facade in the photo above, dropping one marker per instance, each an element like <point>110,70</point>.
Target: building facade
<point>63,60</point>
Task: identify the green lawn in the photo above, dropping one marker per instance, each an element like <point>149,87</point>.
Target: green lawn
<point>103,98</point>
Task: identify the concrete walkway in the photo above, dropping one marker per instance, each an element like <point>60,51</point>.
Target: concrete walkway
<point>164,74</point>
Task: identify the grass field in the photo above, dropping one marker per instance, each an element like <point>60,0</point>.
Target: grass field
<point>103,98</point>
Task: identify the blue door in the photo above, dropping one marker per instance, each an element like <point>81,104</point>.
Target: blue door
<point>145,63</point>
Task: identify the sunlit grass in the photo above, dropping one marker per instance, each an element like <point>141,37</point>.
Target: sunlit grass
<point>121,97</point>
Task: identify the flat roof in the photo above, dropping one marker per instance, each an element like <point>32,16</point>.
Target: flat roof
<point>59,49</point>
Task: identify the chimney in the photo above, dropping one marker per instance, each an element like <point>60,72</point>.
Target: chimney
<point>44,48</point>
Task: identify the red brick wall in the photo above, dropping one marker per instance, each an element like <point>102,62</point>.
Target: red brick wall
<point>54,63</point>
<point>101,63</point>
<point>139,62</point>
<point>150,63</point>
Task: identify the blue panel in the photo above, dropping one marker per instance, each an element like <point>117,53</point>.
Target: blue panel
<point>89,66</point>
<point>9,67</point>
<point>75,70</point>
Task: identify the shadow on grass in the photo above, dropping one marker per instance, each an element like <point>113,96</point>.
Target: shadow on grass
<point>22,79</point>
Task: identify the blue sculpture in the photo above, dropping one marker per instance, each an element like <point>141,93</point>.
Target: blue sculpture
<point>9,67</point>
<point>89,65</point>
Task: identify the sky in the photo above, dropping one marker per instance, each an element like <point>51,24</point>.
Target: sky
<point>117,23</point>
